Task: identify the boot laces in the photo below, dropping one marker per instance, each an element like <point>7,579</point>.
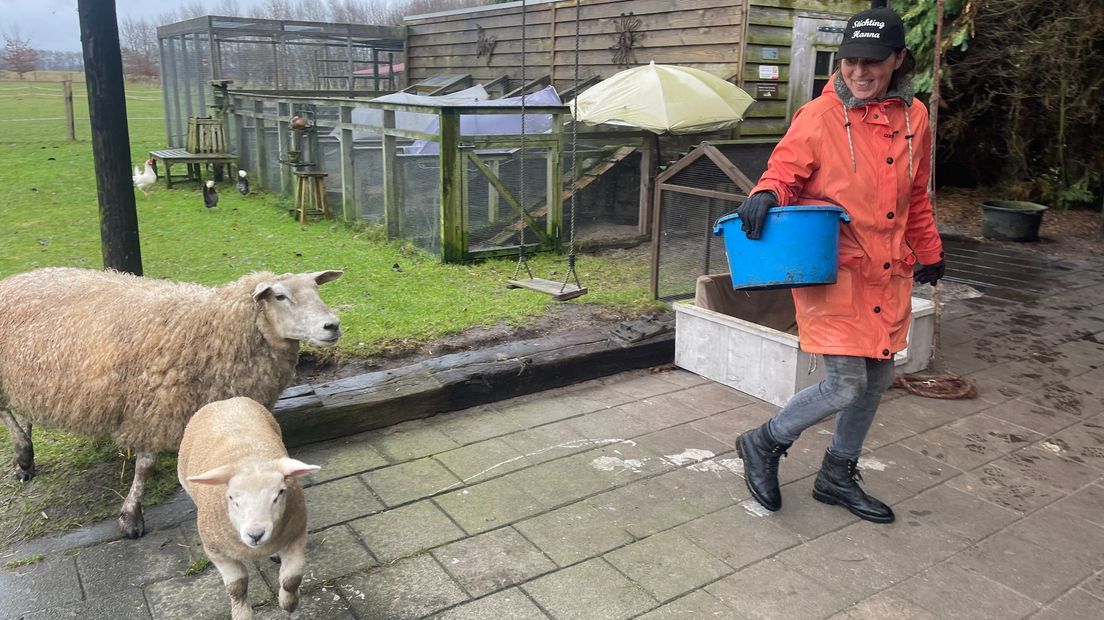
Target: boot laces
<point>853,470</point>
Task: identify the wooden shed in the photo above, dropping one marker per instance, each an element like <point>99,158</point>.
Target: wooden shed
<point>779,51</point>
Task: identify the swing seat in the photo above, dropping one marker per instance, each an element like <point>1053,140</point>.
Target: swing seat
<point>557,290</point>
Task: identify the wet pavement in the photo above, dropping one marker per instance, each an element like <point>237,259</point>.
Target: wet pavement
<point>623,498</point>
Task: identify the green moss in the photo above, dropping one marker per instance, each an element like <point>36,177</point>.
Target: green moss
<point>14,564</point>
<point>197,567</point>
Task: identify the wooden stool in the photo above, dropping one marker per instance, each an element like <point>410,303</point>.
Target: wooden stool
<point>310,195</point>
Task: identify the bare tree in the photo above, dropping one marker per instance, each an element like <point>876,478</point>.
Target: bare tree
<point>18,55</point>
<point>138,40</point>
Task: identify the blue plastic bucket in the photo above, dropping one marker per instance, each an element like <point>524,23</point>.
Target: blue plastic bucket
<point>799,247</point>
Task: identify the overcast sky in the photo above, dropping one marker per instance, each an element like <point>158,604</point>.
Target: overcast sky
<point>54,25</point>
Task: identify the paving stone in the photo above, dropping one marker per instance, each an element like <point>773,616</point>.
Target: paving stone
<point>597,392</point>
<point>1061,532</point>
<point>908,545</point>
<point>408,589</point>
<point>667,565</point>
<point>952,592</point>
<point>612,423</point>
<point>509,604</point>
<point>488,505</point>
<point>1095,585</point>
<point>573,533</point>
<point>972,441</point>
<point>646,507</point>
<point>337,501</point>
<point>1076,605</point>
<point>320,604</point>
<point>954,511</point>
<point>50,582</point>
<point>697,604</point>
<point>492,561</point>
<point>923,414</point>
<point>201,596</point>
<point>593,589</point>
<point>708,486</point>
<point>666,410</point>
<point>806,517</point>
<point>1086,504</point>
<point>884,432</point>
<point>1040,463</point>
<point>551,407</point>
<point>726,426</point>
<point>561,481</point>
<point>331,553</point>
<point>551,441</point>
<point>1072,402</point>
<point>771,589</point>
<point>411,481</point>
<point>682,444</point>
<point>1083,443</point>
<point>1039,418</point>
<point>643,384</point>
<point>842,563</point>
<point>805,456</point>
<point>409,440</point>
<point>884,605</point>
<point>906,468</point>
<point>473,425</point>
<point>406,530</point>
<point>1022,376</point>
<point>1002,486</point>
<point>339,458</point>
<point>680,377</point>
<point>737,536</point>
<point>132,563</point>
<point>622,463</point>
<point>483,460</point>
<point>711,398</point>
<point>1015,562</point>
<point>123,604</point>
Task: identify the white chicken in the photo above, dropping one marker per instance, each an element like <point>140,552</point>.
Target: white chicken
<point>144,179</point>
<point>243,182</point>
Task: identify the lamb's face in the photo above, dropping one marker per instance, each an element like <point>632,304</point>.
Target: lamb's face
<point>294,309</point>
<point>255,502</point>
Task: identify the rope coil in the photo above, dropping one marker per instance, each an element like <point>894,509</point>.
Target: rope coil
<point>945,386</point>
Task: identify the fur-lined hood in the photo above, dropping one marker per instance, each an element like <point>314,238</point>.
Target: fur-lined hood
<point>905,91</point>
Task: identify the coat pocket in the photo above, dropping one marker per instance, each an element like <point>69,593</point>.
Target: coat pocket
<point>830,299</point>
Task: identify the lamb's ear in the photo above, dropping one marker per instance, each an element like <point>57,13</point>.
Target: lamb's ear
<point>322,277</point>
<point>292,468</point>
<point>218,475</point>
<point>263,290</point>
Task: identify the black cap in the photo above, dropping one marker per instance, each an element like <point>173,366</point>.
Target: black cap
<point>874,34</point>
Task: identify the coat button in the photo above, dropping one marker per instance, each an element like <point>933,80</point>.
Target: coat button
<point>890,215</point>
<point>889,160</point>
<point>877,309</point>
<point>885,352</point>
<point>885,266</point>
<point>875,115</point>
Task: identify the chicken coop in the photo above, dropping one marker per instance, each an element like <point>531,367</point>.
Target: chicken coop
<point>711,180</point>
<point>283,56</point>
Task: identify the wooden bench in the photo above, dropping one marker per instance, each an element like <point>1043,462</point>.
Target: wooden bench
<point>205,145</point>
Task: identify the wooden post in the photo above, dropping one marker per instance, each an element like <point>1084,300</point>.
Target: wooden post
<point>349,211</point>
<point>648,156</point>
<point>452,236</point>
<point>392,180</point>
<point>259,151</point>
<point>103,73</point>
<point>70,125</point>
<point>555,185</point>
<point>283,143</point>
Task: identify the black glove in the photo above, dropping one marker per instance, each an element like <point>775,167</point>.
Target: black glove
<point>753,213</point>
<point>929,274</point>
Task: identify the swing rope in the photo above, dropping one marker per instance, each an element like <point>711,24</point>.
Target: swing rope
<point>571,273</point>
<point>522,260</point>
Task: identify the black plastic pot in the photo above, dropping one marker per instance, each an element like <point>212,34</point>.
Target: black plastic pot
<point>1011,220</point>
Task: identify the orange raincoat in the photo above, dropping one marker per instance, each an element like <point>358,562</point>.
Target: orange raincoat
<point>867,312</point>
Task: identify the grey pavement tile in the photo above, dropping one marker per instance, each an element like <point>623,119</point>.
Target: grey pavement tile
<point>562,481</point>
<point>339,458</point>
<point>971,442</point>
<point>408,589</point>
<point>1075,605</point>
<point>622,463</point>
<point>895,473</point>
<point>1086,503</point>
<point>612,423</point>
<point>122,604</point>
<point>479,461</point>
<point>711,398</point>
<point>956,512</point>
<point>51,582</point>
<point>1083,443</point>
<point>1095,585</point>
<point>488,505</point>
<point>551,441</point>
<point>1041,419</point>
<point>950,591</point>
<point>1041,463</point>
<point>805,456</point>
<point>1073,402</point>
<point>1061,532</point>
<point>648,506</point>
<point>708,486</point>
<point>410,481</point>
<point>597,392</point>
<point>409,440</point>
<point>1015,562</point>
<point>406,530</point>
<point>697,604</point>
<point>336,501</point>
<point>771,589</point>
<point>922,414</point>
<point>667,565</point>
<point>666,410</point>
<point>1002,486</point>
<point>593,589</point>
<point>201,596</point>
<point>737,536</point>
<point>331,553</point>
<point>573,533</point>
<point>910,545</point>
<point>806,517</point>
<point>882,606</point>
<point>726,426</point>
<point>884,432</point>
<point>683,444</point>
<point>474,424</point>
<point>678,376</point>
<point>1021,376</point>
<point>509,604</point>
<point>492,561</point>
<point>132,563</point>
<point>642,384</point>
<point>319,604</point>
<point>551,407</point>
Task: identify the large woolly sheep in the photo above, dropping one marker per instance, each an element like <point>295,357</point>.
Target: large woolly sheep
<point>249,502</point>
<point>118,356</point>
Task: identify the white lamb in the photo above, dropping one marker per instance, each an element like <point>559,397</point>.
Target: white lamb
<point>247,494</point>
<point>118,356</point>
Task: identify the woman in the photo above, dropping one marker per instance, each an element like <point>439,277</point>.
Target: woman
<point>864,145</point>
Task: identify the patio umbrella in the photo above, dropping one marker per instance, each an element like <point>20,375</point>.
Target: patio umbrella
<point>664,99</point>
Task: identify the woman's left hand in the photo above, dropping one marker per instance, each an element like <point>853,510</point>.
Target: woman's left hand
<point>929,274</point>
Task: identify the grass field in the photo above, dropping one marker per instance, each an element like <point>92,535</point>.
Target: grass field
<point>51,216</point>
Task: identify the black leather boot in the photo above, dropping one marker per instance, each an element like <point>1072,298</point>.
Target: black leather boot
<point>837,484</point>
<point>760,453</point>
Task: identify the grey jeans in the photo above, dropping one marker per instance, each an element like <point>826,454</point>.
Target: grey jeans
<point>853,389</point>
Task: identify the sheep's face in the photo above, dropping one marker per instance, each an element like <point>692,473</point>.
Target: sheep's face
<point>294,310</point>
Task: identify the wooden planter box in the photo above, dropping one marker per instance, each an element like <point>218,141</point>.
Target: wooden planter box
<point>756,351</point>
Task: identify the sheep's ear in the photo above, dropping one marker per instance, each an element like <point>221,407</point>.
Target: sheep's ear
<point>322,277</point>
<point>292,468</point>
<point>264,289</point>
<point>218,475</point>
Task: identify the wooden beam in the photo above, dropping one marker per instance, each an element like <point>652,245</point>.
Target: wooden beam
<point>392,180</point>
<point>349,210</point>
